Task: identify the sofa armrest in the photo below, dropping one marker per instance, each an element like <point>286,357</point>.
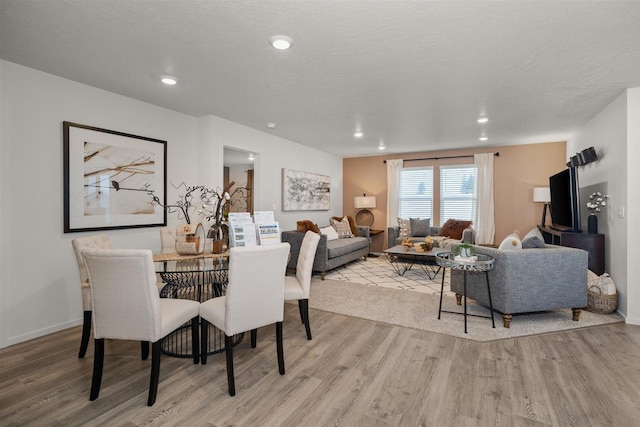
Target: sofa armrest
<point>364,231</point>
<point>294,238</point>
<point>469,235</point>
<point>392,234</point>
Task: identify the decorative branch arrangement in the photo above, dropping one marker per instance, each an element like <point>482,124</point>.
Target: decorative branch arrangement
<point>597,201</point>
<point>213,205</point>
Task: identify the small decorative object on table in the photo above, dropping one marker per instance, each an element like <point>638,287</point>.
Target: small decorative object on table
<point>428,244</point>
<point>464,250</point>
<point>596,201</point>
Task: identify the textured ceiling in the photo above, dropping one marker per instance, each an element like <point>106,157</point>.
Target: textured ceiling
<point>414,75</point>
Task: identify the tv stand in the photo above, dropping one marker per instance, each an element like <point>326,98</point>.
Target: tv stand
<point>592,243</point>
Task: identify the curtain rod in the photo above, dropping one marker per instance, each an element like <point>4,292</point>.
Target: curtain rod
<point>443,157</point>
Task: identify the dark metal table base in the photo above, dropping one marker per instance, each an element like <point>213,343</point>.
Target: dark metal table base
<point>465,314</point>
<point>403,263</point>
<point>196,286</point>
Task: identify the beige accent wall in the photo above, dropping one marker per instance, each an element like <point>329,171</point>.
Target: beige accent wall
<point>517,170</point>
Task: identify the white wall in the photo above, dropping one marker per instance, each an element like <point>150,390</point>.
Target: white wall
<point>633,205</point>
<point>39,283</point>
<point>609,132</point>
<point>272,155</point>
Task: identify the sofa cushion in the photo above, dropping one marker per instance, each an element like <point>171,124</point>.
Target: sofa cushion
<point>336,248</point>
<point>533,239</point>
<point>306,225</point>
<point>342,227</point>
<point>420,227</point>
<point>352,224</point>
<point>510,243</point>
<point>404,226</point>
<point>330,232</point>
<point>453,228</point>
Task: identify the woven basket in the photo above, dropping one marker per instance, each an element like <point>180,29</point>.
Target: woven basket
<point>599,303</point>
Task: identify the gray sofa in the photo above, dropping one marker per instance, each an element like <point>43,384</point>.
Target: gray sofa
<point>529,280</point>
<point>393,239</point>
<point>330,255</point>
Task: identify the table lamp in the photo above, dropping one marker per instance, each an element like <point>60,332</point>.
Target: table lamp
<point>364,203</point>
<point>542,195</point>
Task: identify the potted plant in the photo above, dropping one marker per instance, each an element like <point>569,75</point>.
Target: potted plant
<point>464,250</point>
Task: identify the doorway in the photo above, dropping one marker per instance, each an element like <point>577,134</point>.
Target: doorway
<point>238,173</point>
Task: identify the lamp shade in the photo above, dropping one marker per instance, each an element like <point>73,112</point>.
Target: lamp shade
<point>364,202</point>
<point>541,194</point>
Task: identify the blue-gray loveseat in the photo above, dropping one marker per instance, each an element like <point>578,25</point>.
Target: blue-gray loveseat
<point>332,254</point>
<point>529,280</point>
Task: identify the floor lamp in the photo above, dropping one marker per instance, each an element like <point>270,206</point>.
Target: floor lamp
<point>542,195</point>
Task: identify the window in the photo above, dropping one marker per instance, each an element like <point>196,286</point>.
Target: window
<point>458,192</point>
<point>416,193</point>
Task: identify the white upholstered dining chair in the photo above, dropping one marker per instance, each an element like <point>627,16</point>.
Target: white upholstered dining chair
<point>254,298</point>
<point>126,306</point>
<point>100,241</point>
<point>297,287</point>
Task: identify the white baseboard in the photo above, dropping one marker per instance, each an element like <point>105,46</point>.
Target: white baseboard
<point>41,332</point>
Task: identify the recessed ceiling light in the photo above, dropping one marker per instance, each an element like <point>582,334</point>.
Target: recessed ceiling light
<point>382,147</point>
<point>358,134</point>
<point>483,138</point>
<point>281,42</point>
<point>483,120</point>
<point>251,157</point>
<point>169,80</point>
<point>271,125</point>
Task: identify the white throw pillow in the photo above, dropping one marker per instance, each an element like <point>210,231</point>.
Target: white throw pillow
<point>405,227</point>
<point>510,243</point>
<point>343,228</point>
<point>330,232</point>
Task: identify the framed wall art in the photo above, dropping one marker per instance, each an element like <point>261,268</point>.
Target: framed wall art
<point>110,179</point>
<point>303,191</point>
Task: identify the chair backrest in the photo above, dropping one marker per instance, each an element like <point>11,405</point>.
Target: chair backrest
<point>124,295</point>
<point>168,239</point>
<point>99,241</point>
<point>304,268</point>
<point>255,293</point>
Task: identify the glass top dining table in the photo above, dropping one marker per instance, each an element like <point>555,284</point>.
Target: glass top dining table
<point>198,278</point>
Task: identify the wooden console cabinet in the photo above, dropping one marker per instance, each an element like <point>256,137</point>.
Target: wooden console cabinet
<point>592,243</point>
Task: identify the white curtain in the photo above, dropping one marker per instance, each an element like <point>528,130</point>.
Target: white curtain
<point>485,221</point>
<point>393,177</point>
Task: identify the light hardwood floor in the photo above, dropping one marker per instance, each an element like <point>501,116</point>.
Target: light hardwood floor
<point>354,373</point>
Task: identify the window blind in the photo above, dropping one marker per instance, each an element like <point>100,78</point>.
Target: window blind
<point>416,193</point>
<point>458,192</point>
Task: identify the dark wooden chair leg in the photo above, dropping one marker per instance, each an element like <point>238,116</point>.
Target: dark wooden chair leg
<point>305,316</point>
<point>86,334</point>
<point>300,309</point>
<point>195,340</point>
<point>254,338</point>
<point>280,347</point>
<point>144,348</point>
<point>156,352</point>
<point>228,344</point>
<point>576,314</point>
<point>204,341</point>
<point>98,362</point>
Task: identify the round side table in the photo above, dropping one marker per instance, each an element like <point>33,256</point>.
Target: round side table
<point>477,263</point>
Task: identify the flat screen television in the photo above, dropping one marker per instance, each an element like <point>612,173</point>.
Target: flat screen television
<point>565,200</point>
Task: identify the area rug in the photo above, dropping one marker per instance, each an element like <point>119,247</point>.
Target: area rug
<point>419,310</point>
<point>379,272</point>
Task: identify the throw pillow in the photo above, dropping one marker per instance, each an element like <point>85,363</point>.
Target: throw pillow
<point>405,227</point>
<point>420,227</point>
<point>352,224</point>
<point>342,227</point>
<point>453,228</point>
<point>533,239</point>
<point>306,225</point>
<point>511,242</point>
<point>330,232</point>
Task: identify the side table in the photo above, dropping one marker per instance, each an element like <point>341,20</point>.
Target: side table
<point>476,263</point>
